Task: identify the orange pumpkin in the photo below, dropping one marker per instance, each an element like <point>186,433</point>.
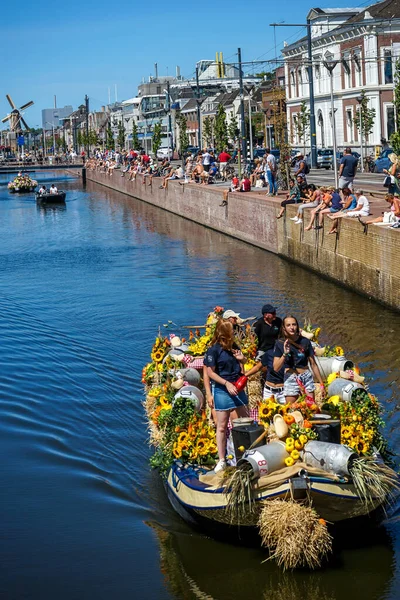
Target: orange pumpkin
<point>289,419</point>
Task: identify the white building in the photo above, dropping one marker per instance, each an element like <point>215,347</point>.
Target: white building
<point>365,42</point>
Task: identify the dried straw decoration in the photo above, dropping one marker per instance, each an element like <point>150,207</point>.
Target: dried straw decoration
<point>254,390</point>
<point>375,482</point>
<point>239,492</point>
<point>294,534</point>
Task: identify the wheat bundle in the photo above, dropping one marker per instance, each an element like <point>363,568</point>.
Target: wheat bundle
<point>294,534</point>
<point>156,435</point>
<point>150,404</point>
<point>375,482</point>
<point>239,492</point>
<point>254,390</point>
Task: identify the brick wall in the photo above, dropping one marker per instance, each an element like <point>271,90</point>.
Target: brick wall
<point>367,263</point>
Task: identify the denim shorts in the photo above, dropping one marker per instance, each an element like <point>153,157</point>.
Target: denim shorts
<point>291,385</point>
<point>224,401</point>
<point>276,393</point>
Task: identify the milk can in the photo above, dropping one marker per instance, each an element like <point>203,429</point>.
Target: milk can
<point>192,394</point>
<point>332,458</point>
<point>332,364</point>
<point>343,388</point>
<point>265,459</point>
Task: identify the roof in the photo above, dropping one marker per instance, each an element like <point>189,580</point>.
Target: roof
<point>135,100</point>
<point>227,98</point>
<point>190,105</point>
<point>389,9</point>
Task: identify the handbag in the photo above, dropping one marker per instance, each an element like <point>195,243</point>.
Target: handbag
<point>387,182</point>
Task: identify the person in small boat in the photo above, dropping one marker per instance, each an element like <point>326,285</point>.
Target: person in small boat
<point>43,190</point>
<point>295,353</point>
<point>53,189</point>
<point>273,386</point>
<point>225,366</point>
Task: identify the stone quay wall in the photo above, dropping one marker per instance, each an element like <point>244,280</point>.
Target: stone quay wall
<point>368,263</point>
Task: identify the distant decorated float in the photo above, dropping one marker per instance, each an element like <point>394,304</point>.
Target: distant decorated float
<point>295,470</point>
<point>22,184</point>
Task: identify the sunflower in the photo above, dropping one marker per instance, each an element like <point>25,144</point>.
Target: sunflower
<point>339,351</point>
<point>263,411</point>
<point>183,438</point>
<point>213,448</point>
<point>334,400</point>
<point>194,454</point>
<point>331,378</point>
<point>177,451</point>
<point>184,447</point>
<point>201,443</point>
<point>157,355</point>
<point>346,432</point>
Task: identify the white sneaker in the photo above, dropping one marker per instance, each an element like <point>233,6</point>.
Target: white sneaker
<point>299,221</point>
<point>220,466</point>
<point>294,218</point>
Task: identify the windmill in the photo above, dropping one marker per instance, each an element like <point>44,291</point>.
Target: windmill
<point>15,117</point>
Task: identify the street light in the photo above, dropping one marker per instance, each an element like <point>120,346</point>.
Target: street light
<point>54,137</point>
<point>330,65</point>
<point>359,100</point>
<point>168,110</point>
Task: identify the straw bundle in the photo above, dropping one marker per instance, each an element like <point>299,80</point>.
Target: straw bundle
<point>149,404</point>
<point>375,482</point>
<point>294,534</point>
<point>254,390</point>
<point>239,493</point>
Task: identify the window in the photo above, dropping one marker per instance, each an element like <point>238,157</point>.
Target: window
<point>387,65</point>
<point>349,124</point>
<point>357,63</point>
<point>390,122</point>
<point>317,74</point>
<point>292,83</point>
<point>300,80</point>
<point>347,70</point>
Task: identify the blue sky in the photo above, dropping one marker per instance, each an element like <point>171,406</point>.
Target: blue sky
<point>76,48</point>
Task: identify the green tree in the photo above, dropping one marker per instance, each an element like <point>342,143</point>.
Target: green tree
<point>121,135</point>
<point>395,137</point>
<point>110,144</point>
<point>221,129</point>
<point>233,128</point>
<point>302,124</point>
<point>183,136</point>
<point>59,143</point>
<point>157,135</point>
<point>93,138</point>
<point>79,138</point>
<point>365,117</point>
<point>135,137</point>
<point>208,131</point>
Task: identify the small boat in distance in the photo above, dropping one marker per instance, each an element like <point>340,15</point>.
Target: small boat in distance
<point>48,198</point>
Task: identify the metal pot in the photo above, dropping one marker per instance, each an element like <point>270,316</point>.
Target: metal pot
<point>192,394</point>
<point>332,364</point>
<point>332,458</point>
<point>343,388</point>
<point>265,459</point>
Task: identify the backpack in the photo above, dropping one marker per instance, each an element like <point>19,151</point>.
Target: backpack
<point>306,168</point>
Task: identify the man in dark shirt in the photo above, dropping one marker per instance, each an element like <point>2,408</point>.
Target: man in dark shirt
<point>347,170</point>
<point>267,329</point>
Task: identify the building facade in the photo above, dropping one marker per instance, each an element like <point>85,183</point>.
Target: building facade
<point>53,117</point>
<point>363,44</point>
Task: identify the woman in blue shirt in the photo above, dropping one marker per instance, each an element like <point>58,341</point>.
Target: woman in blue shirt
<point>295,353</point>
<point>348,202</point>
<point>224,366</point>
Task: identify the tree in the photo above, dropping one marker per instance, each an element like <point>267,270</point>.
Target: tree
<point>121,135</point>
<point>79,138</point>
<point>109,137</point>
<point>183,136</point>
<point>221,129</point>
<point>135,137</point>
<point>208,131</point>
<point>302,124</point>
<point>395,137</point>
<point>233,128</point>
<point>93,138</point>
<point>365,117</point>
<point>157,134</point>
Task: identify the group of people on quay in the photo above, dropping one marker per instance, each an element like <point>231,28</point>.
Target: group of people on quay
<point>284,355</point>
<point>207,167</point>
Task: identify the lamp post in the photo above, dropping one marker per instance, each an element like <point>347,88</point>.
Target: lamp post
<point>168,111</point>
<point>359,100</point>
<point>330,65</point>
<point>54,137</point>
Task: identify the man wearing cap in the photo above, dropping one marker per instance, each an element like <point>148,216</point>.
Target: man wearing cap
<point>267,329</point>
<point>231,316</point>
<point>347,170</point>
<point>300,166</point>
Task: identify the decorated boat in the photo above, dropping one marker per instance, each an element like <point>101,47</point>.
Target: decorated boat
<point>294,470</point>
<point>22,184</point>
<point>48,198</point>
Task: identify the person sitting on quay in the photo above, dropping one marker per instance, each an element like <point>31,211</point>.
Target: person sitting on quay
<point>362,208</point>
<point>312,200</point>
<point>197,171</point>
<point>334,206</point>
<point>393,216</point>
<point>326,197</point>
<point>245,184</point>
<point>349,203</point>
<point>235,184</point>
<point>292,197</point>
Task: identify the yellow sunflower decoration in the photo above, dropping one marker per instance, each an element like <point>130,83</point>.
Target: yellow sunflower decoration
<point>339,351</point>
<point>331,378</point>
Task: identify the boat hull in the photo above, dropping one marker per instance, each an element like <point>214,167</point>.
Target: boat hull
<point>51,198</point>
<point>205,505</point>
<point>23,190</point>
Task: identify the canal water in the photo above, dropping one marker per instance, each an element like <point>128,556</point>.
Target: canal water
<point>83,290</point>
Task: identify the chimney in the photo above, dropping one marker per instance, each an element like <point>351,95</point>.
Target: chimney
<point>178,72</point>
